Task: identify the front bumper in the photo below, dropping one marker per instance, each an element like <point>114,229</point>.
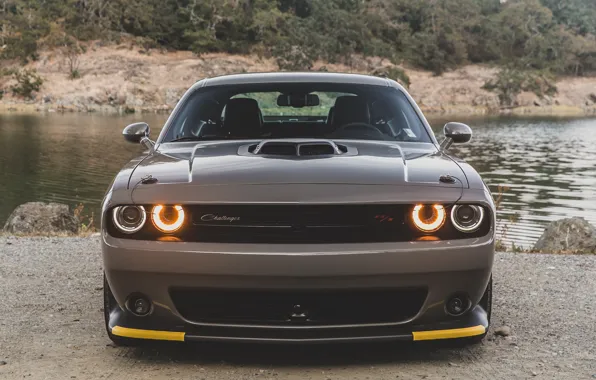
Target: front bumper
<point>442,267</point>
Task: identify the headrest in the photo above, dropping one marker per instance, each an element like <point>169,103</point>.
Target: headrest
<point>243,118</point>
<point>350,109</point>
<point>210,110</point>
<point>330,115</point>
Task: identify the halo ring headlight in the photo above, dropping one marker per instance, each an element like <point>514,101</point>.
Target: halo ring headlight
<point>129,219</point>
<point>467,218</point>
<point>426,223</point>
<point>164,224</point>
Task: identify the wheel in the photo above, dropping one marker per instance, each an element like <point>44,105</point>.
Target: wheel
<point>109,304</point>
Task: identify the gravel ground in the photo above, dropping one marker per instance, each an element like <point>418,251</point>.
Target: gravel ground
<point>51,327</point>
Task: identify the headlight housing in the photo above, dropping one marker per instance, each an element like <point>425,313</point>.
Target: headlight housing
<point>168,219</point>
<point>129,219</point>
<point>429,218</point>
<point>467,218</point>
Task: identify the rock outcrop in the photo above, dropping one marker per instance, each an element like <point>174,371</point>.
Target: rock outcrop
<point>572,235</point>
<point>39,218</point>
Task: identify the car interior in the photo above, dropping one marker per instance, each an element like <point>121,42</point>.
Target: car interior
<point>218,114</point>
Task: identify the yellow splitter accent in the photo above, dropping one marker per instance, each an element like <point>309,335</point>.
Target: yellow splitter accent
<point>449,334</point>
<point>417,335</point>
<point>148,334</point>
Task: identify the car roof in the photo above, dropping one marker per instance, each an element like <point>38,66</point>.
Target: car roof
<point>294,77</point>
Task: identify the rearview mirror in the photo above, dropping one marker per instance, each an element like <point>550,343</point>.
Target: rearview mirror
<point>455,133</point>
<point>138,133</point>
<point>298,100</point>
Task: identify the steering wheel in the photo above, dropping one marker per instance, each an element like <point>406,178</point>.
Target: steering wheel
<point>364,129</point>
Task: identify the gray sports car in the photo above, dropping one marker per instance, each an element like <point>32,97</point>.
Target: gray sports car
<point>297,207</point>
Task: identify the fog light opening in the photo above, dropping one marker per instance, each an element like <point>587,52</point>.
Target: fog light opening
<point>139,305</point>
<point>457,305</point>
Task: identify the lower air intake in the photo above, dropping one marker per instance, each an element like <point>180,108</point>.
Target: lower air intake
<point>288,307</point>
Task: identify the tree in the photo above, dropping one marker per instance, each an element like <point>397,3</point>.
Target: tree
<point>578,15</point>
<point>437,35</point>
<point>28,82</point>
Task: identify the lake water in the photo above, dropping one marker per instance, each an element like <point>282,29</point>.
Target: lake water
<point>549,165</point>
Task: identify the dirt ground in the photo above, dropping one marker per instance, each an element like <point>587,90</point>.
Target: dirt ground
<point>51,327</point>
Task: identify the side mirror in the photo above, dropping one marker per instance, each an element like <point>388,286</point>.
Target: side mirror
<point>138,133</point>
<point>455,133</point>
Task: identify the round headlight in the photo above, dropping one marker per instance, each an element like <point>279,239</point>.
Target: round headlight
<point>467,218</point>
<point>428,218</point>
<point>167,218</point>
<point>129,219</point>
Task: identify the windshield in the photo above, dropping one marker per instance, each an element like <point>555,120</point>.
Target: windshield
<point>356,112</point>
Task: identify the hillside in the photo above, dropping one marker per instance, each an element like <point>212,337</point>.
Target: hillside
<point>459,55</point>
<point>123,79</point>
<point>434,35</point>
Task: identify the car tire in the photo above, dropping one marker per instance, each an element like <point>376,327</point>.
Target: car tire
<point>109,303</point>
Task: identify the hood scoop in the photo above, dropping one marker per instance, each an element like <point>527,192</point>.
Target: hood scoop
<point>306,148</point>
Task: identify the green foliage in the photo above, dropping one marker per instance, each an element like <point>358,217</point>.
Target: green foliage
<point>438,35</point>
<point>578,15</point>
<point>22,47</point>
<point>510,82</point>
<point>28,82</point>
<point>293,57</point>
<point>75,74</point>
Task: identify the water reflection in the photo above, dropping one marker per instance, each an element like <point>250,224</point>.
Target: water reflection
<point>62,158</point>
<point>549,165</point>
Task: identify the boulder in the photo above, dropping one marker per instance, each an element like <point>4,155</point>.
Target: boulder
<point>573,235</point>
<point>42,219</point>
<point>503,331</point>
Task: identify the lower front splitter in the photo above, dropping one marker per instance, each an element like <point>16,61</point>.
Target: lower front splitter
<point>473,324</point>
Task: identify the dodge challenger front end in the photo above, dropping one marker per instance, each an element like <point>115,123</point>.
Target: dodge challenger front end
<point>297,208</point>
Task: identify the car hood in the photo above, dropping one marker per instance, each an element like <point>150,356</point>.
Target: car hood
<point>367,163</point>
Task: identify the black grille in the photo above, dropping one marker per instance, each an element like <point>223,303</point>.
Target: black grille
<point>303,307</point>
<point>299,223</point>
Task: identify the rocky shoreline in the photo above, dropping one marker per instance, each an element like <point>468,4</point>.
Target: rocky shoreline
<point>122,79</point>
